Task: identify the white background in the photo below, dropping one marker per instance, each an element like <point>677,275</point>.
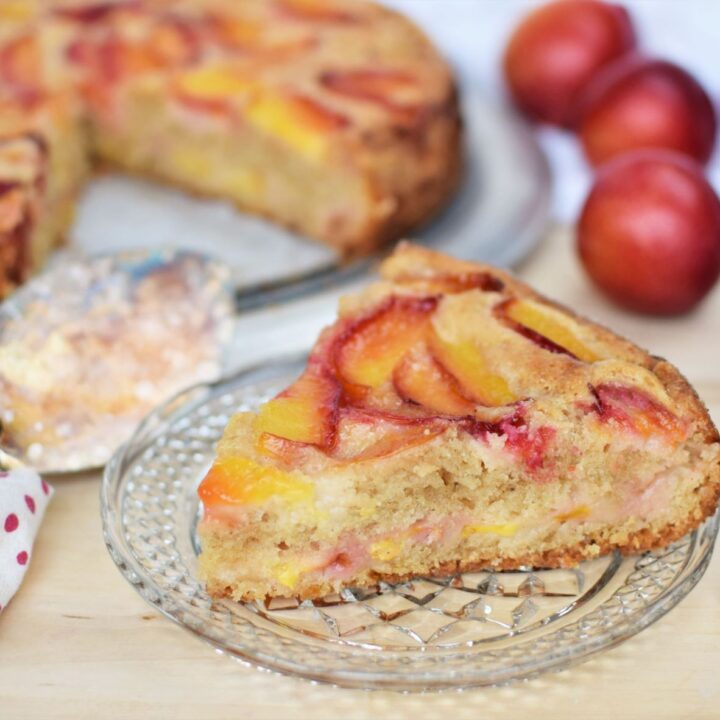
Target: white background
<point>473,33</point>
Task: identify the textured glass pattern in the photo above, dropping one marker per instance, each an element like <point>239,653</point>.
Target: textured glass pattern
<point>473,629</point>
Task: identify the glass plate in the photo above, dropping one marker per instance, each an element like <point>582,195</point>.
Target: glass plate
<point>473,629</point>
<point>497,216</point>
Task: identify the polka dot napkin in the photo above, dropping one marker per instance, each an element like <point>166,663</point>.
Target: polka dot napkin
<point>24,496</point>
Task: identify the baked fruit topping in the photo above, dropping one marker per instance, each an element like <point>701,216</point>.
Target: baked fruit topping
<point>454,419</point>
<point>396,91</point>
<point>550,329</point>
<point>307,411</point>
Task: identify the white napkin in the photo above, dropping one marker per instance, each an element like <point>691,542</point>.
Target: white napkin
<point>24,495</point>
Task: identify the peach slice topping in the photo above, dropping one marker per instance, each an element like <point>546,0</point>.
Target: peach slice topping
<point>297,120</point>
<point>543,326</point>
<point>212,84</point>
<point>236,32</point>
<point>395,90</point>
<point>16,11</point>
<point>173,43</point>
<point>113,58</point>
<point>20,66</point>
<point>125,60</point>
<point>370,349</point>
<point>306,412</point>
<point>419,378</point>
<point>393,366</point>
<point>241,481</point>
<point>252,38</point>
<point>316,11</point>
<point>637,411</point>
<point>465,362</point>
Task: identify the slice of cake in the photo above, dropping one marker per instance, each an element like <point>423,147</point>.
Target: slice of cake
<point>453,419</point>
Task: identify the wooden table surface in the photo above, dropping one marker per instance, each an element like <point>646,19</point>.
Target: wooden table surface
<point>78,642</point>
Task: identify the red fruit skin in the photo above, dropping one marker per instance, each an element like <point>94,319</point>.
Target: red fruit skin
<point>94,12</point>
<point>643,103</point>
<point>649,233</point>
<point>556,49</point>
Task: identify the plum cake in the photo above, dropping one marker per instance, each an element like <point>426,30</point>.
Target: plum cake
<point>335,118</point>
<point>453,419</point>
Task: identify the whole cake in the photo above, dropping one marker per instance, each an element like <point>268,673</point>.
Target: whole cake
<point>453,419</point>
<point>336,118</point>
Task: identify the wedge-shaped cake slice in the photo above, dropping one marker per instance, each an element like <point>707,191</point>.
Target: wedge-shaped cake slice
<point>453,419</point>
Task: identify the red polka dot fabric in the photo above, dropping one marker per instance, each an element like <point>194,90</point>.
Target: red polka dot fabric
<point>23,498</point>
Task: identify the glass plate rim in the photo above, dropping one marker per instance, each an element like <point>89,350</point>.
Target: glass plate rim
<point>181,612</point>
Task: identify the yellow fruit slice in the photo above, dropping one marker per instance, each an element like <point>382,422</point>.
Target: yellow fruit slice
<point>534,316</point>
<point>464,360</point>
<point>297,121</point>
<point>503,529</point>
<point>419,378</point>
<point>371,352</point>
<point>213,83</point>
<point>304,413</point>
<point>577,513</point>
<point>385,550</point>
<point>241,481</point>
<point>17,10</point>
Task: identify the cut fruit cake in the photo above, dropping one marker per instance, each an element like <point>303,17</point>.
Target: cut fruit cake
<point>453,419</point>
<point>336,118</point>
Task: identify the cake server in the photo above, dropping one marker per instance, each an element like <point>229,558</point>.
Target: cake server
<point>89,347</point>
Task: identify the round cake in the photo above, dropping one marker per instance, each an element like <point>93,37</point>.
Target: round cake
<point>335,118</point>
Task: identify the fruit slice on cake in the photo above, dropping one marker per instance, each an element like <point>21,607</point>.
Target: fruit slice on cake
<point>453,419</point>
